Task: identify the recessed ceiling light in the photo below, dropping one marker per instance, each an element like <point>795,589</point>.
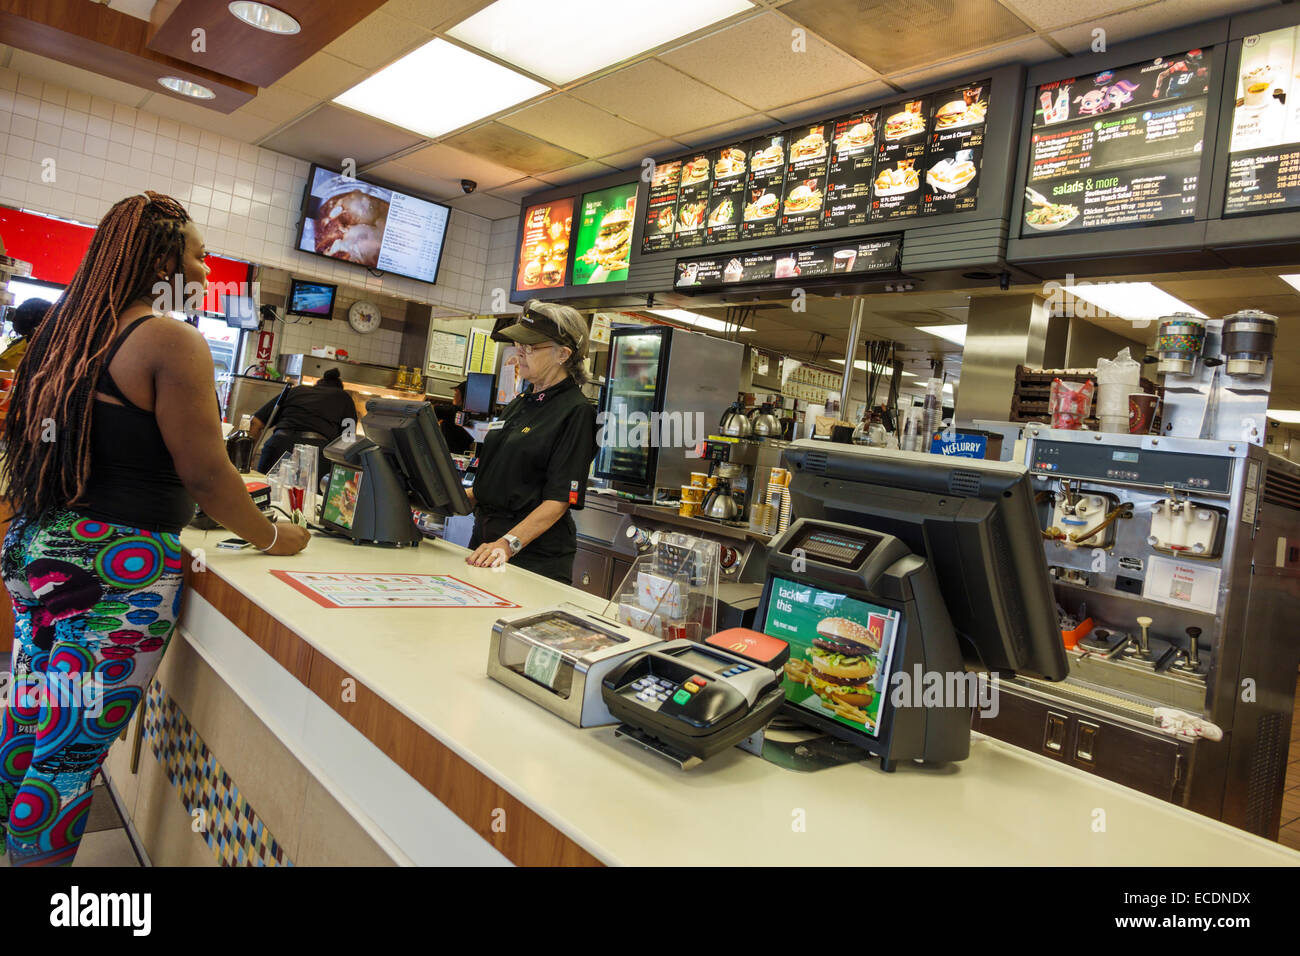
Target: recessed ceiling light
<point>592,34</point>
<point>186,88</point>
<point>1135,301</point>
<point>439,88</point>
<point>1287,416</point>
<point>697,320</point>
<point>265,17</point>
<point>953,333</point>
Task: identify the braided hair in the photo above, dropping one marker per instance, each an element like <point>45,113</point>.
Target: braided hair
<point>47,432</point>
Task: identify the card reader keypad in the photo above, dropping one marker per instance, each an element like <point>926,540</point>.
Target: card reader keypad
<point>653,690</point>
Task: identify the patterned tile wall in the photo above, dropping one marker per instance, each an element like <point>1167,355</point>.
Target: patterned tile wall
<point>246,198</point>
<point>234,832</point>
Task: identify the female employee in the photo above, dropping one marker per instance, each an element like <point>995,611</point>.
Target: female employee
<point>111,430</point>
<point>534,462</point>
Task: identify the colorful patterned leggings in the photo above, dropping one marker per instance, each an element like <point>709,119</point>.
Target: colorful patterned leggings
<point>94,608</point>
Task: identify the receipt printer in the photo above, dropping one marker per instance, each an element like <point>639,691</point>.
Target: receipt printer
<point>688,701</point>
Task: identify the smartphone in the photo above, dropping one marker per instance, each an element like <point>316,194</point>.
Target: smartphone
<point>233,543</point>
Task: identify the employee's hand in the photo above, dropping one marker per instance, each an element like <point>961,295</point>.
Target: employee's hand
<point>490,554</point>
<point>290,539</point>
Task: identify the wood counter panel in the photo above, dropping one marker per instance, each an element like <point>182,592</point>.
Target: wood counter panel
<point>527,839</point>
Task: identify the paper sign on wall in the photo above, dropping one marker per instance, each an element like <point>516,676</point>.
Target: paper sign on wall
<point>1186,583</point>
<point>482,354</point>
<point>600,327</point>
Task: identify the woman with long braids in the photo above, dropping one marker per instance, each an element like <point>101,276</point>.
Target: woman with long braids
<point>112,437</point>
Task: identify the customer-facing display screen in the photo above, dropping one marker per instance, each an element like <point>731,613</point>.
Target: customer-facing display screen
<point>916,157</point>
<point>341,497</point>
<point>1118,148</point>
<point>840,652</point>
<point>1264,152</point>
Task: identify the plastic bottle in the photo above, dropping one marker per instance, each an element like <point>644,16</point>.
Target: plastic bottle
<point>239,445</point>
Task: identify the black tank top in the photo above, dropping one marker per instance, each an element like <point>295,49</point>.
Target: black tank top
<point>133,480</point>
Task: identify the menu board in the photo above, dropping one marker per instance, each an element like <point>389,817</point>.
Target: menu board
<point>1264,152</point>
<point>805,179</point>
<point>855,257</point>
<point>849,176</point>
<point>901,148</point>
<point>693,201</point>
<point>603,244</point>
<point>764,186</point>
<point>955,152</point>
<point>661,207</point>
<point>544,247</point>
<point>1118,148</point>
<point>726,196</point>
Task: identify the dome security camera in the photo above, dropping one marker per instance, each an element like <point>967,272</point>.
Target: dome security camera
<point>468,186</point>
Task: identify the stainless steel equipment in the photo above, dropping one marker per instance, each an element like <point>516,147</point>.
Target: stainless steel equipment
<point>1225,393</point>
<point>766,425</point>
<point>1248,338</point>
<point>719,503</point>
<point>248,394</point>
<point>663,388</point>
<point>1185,555</point>
<point>734,423</point>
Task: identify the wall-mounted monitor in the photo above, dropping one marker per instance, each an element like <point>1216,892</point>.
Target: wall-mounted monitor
<point>240,311</point>
<point>351,220</point>
<point>544,245</point>
<point>311,299</point>
<point>603,240</point>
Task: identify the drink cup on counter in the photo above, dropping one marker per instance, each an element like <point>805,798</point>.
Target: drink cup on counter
<point>1141,413</point>
<point>700,479</point>
<point>692,493</point>
<point>688,509</point>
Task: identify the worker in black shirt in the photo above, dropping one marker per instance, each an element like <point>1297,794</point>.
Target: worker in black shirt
<point>458,440</point>
<point>309,415</point>
<point>534,462</point>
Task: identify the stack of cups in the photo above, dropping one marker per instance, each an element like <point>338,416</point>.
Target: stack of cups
<point>692,498</point>
<point>1116,380</point>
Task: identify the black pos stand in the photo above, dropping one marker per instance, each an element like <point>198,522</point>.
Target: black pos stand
<point>383,514</point>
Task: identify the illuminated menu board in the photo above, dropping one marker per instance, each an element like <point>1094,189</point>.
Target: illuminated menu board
<point>854,257</point>
<point>544,245</point>
<point>916,157</point>
<point>1118,148</point>
<point>603,243</point>
<point>1264,152</point>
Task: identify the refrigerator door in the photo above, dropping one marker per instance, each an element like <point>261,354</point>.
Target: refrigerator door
<point>633,394</point>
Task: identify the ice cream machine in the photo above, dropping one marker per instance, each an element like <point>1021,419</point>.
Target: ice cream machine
<point>1176,570</point>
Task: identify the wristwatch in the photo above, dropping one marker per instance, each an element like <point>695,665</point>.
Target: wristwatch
<point>515,544</point>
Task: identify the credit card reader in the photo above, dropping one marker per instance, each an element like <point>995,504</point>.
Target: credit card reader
<point>688,702</point>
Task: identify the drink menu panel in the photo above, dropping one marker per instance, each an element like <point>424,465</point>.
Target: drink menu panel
<point>1120,147</point>
<point>855,257</point>
<point>1264,152</point>
<point>915,157</point>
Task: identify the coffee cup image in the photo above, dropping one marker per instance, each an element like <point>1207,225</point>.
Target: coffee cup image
<point>844,259</point>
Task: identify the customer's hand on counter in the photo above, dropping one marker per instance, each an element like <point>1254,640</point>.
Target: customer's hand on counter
<point>490,554</point>
<point>289,539</point>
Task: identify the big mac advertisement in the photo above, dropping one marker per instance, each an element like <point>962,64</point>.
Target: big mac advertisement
<point>604,240</point>
<point>840,652</point>
<point>544,248</point>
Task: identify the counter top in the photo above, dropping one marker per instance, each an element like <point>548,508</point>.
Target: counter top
<point>624,805</point>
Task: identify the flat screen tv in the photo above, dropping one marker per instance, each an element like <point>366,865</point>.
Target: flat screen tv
<point>240,311</point>
<point>312,299</point>
<point>351,220</point>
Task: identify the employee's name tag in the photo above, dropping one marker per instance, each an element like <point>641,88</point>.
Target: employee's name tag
<point>495,425</point>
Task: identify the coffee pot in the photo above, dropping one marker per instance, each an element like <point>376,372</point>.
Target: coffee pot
<point>766,424</point>
<point>733,423</point>
<point>719,503</point>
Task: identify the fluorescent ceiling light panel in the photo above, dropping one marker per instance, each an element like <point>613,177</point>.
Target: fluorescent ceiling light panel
<point>697,320</point>
<point>562,40</point>
<point>861,366</point>
<point>1287,416</point>
<point>953,333</point>
<point>439,88</point>
<point>1292,280</point>
<point>1135,301</point>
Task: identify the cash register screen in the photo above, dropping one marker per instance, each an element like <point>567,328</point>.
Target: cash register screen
<point>840,652</point>
<point>341,496</point>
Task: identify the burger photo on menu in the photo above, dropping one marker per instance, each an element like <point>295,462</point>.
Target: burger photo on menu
<point>895,182</point>
<point>763,207</point>
<point>730,163</point>
<point>544,251</point>
<point>811,146</point>
<point>951,175</point>
<point>968,111</point>
<point>856,137</point>
<point>696,171</point>
<point>843,668</point>
<point>906,123</point>
<point>665,175</point>
<point>767,158</point>
<point>805,197</point>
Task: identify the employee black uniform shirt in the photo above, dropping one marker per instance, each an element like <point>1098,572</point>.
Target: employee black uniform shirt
<point>542,451</point>
<point>312,408</point>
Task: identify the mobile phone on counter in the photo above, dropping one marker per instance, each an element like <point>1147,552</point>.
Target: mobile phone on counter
<point>234,544</point>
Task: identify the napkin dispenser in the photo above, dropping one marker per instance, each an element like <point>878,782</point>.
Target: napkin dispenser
<point>558,657</point>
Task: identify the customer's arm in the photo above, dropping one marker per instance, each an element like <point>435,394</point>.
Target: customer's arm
<point>182,379</point>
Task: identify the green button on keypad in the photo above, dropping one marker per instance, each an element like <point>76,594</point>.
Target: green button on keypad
<point>681,697</point>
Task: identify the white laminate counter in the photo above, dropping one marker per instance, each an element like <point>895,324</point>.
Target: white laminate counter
<point>623,805</point>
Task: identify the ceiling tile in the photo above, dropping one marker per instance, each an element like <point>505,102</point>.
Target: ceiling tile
<point>633,158</point>
<point>587,170</point>
<point>322,136</point>
<point>890,37</point>
<point>735,129</point>
<point>279,103</point>
<point>512,149</point>
<point>441,168</point>
<point>412,181</point>
<point>726,61</point>
<point>825,106</point>
<point>237,125</point>
<point>378,40</point>
<point>578,126</point>
<point>322,76</point>
<point>486,206</point>
<point>1050,14</point>
<point>1152,18</point>
<point>516,191</point>
<point>654,95</point>
<point>434,14</point>
<point>1028,50</point>
<point>74,78</point>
